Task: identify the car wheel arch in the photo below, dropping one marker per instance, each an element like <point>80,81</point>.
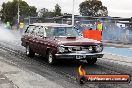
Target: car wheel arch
<point>47,50</point>
<point>27,44</point>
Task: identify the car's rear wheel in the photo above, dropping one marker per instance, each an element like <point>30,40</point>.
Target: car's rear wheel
<point>29,52</point>
<point>91,61</point>
<point>50,57</point>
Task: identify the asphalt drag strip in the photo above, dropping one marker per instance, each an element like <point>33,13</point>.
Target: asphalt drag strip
<point>65,72</point>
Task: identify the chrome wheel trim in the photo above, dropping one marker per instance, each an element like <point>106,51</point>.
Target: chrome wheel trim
<point>50,59</point>
<point>27,50</point>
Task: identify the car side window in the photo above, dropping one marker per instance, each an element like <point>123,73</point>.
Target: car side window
<point>41,31</point>
<point>48,32</point>
<point>29,29</point>
<point>36,30</point>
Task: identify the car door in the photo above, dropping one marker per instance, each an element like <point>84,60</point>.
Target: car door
<point>41,43</point>
<point>27,37</point>
<point>35,39</point>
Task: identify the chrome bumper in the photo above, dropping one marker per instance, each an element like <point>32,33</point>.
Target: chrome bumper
<point>79,56</point>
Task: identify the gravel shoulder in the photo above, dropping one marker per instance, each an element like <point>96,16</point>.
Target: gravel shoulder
<point>13,77</point>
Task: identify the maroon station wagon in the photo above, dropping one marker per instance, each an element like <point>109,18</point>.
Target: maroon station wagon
<point>60,41</point>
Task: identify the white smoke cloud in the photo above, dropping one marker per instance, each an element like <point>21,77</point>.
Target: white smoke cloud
<point>6,34</point>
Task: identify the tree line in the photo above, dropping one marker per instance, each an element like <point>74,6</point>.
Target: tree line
<point>10,9</point>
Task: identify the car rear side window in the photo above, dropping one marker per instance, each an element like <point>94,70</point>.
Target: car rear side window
<point>29,29</point>
<point>41,31</point>
<point>36,30</point>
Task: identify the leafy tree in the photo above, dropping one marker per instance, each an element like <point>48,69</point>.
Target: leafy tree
<point>32,11</point>
<point>93,8</point>
<point>7,12</point>
<point>42,12</point>
<point>24,9</point>
<point>57,11</point>
<point>45,13</point>
<point>10,9</point>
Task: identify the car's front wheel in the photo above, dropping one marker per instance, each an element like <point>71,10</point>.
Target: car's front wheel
<point>29,52</point>
<point>91,61</point>
<point>50,57</point>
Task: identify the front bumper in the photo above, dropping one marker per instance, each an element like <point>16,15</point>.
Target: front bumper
<point>78,56</point>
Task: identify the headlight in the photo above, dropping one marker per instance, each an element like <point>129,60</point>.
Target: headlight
<point>99,48</point>
<point>90,48</point>
<point>61,49</point>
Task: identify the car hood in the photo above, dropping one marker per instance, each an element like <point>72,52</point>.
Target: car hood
<point>72,41</point>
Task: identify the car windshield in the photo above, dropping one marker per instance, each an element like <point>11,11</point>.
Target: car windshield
<point>61,32</point>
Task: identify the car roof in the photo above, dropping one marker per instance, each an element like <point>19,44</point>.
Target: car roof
<point>51,25</point>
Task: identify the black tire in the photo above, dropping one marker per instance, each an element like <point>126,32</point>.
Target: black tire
<point>91,61</point>
<point>50,58</point>
<point>29,52</point>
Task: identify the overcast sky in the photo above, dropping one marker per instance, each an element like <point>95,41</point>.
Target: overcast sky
<point>119,8</point>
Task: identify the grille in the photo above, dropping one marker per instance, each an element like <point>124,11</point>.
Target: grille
<point>84,48</point>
